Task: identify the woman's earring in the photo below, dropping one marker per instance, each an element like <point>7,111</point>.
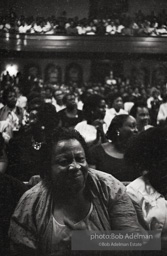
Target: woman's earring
<point>118,133</point>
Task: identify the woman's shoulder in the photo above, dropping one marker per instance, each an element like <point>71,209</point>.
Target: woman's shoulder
<point>31,196</point>
<point>106,182</point>
<point>137,184</point>
<point>140,189</point>
<point>137,188</point>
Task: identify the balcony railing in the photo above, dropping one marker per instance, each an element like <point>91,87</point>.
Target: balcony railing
<point>81,44</point>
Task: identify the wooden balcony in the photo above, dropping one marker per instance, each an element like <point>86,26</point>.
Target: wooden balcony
<point>82,44</point>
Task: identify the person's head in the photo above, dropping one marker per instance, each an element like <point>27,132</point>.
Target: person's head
<point>85,94</point>
<point>42,119</point>
<point>94,107</point>
<point>147,155</point>
<point>9,97</point>
<point>155,93</point>
<point>115,101</point>
<point>69,100</point>
<point>141,113</point>
<point>47,117</point>
<point>58,95</point>
<point>122,127</point>
<point>67,159</point>
<point>48,93</point>
<point>34,103</point>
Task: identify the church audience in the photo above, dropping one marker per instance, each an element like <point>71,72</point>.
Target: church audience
<point>106,113</point>
<point>115,25</point>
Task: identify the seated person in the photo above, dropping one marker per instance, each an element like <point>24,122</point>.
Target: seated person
<point>71,115</point>
<point>147,154</point>
<point>109,156</point>
<point>24,151</point>
<point>115,107</point>
<point>10,192</point>
<point>141,113</point>
<point>11,116</point>
<point>71,196</point>
<point>93,128</point>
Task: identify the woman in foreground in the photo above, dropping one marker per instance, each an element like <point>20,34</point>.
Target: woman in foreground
<point>70,197</point>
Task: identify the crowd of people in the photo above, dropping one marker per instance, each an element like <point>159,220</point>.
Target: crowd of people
<point>74,144</point>
<point>139,24</point>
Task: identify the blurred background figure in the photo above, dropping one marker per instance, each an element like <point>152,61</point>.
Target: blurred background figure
<point>141,113</point>
<point>10,192</point>
<point>31,78</point>
<point>11,116</point>
<point>70,116</point>
<point>162,112</point>
<point>153,104</point>
<point>24,151</point>
<point>109,156</point>
<point>57,99</point>
<point>147,155</point>
<point>93,128</point>
<point>115,107</point>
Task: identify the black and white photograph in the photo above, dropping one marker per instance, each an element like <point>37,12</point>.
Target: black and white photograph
<point>83,128</point>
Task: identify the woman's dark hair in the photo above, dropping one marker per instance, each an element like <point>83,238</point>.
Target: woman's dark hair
<point>48,116</point>
<point>116,123</point>
<point>138,104</point>
<point>34,104</point>
<point>112,97</point>
<point>148,152</point>
<point>58,135</point>
<point>90,105</point>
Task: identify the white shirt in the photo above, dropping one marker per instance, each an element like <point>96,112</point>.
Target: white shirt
<point>111,113</point>
<point>162,113</point>
<point>58,107</point>
<point>152,203</point>
<point>21,101</point>
<point>88,131</point>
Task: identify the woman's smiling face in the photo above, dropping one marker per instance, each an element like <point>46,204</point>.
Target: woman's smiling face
<point>69,166</point>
